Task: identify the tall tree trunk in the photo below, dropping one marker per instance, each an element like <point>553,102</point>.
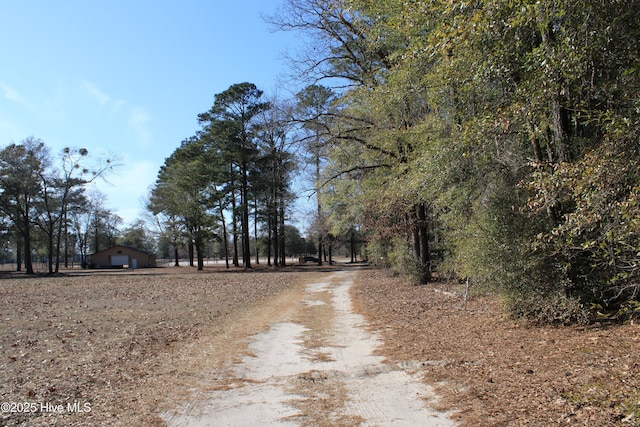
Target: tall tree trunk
<point>414,223</point>
<point>559,115</point>
<point>255,228</point>
<point>190,246</point>
<point>420,233</point>
<point>537,151</point>
<point>269,232</point>
<point>283,256</point>
<point>28,262</point>
<point>234,221</point>
<point>560,131</point>
<point>224,234</point>
<point>320,249</point>
<point>199,244</point>
<point>244,223</point>
<point>352,245</point>
<point>320,219</point>
<point>50,246</point>
<point>66,241</point>
<point>276,234</point>
<point>19,247</point>
<point>58,244</point>
<point>425,256</point>
<point>416,238</point>
<point>61,223</point>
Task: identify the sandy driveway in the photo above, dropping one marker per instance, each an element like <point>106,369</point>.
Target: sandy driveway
<point>315,365</point>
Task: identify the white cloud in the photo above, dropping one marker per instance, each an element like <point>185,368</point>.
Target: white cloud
<point>20,115</point>
<point>138,120</point>
<point>101,97</point>
<point>13,95</point>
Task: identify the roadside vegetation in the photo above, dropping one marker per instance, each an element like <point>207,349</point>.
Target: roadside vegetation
<point>491,142</point>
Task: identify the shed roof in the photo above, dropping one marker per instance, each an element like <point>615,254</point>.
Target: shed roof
<point>129,248</point>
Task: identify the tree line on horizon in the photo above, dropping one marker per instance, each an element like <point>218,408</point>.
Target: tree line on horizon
<point>232,181</point>
<point>239,162</point>
<point>230,184</point>
<point>44,206</point>
<point>50,213</point>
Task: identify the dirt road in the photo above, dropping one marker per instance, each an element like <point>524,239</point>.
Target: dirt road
<point>314,365</point>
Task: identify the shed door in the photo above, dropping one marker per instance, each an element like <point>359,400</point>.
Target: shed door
<point>119,260</point>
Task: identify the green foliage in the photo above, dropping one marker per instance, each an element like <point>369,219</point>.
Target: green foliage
<point>598,240</point>
<point>182,194</point>
<point>137,236</point>
<point>516,123</point>
<point>240,161</point>
<point>402,260</point>
<point>378,252</point>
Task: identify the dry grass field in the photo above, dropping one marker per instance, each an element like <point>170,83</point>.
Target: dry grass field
<point>120,347</point>
<point>117,347</point>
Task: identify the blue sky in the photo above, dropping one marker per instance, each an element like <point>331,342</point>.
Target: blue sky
<point>128,77</point>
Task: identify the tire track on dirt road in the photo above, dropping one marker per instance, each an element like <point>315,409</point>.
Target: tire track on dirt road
<point>315,365</point>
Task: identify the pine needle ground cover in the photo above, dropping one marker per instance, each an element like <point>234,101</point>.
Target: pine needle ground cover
<point>499,372</point>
